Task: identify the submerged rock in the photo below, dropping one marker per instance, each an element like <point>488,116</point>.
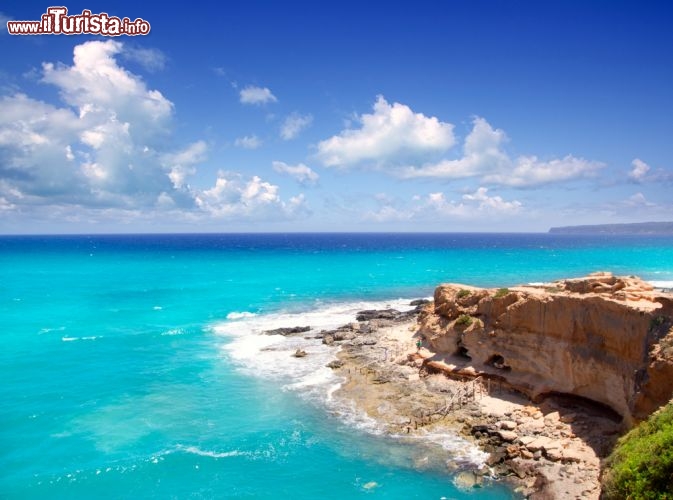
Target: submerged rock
<point>467,480</point>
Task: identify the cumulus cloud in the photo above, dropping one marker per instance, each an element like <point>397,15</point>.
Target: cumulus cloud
<point>149,58</point>
<point>492,203</point>
<point>471,206</point>
<point>642,173</point>
<point>256,95</point>
<point>96,80</point>
<point>294,124</point>
<point>395,139</point>
<point>484,156</point>
<point>248,142</point>
<point>182,164</point>
<point>482,152</point>
<point>527,171</point>
<point>300,172</point>
<point>108,149</point>
<point>233,196</point>
<point>639,171</point>
<point>95,150</point>
<point>391,133</point>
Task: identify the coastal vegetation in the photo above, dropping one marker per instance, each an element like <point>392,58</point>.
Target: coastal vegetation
<point>603,341</point>
<point>462,293</point>
<point>464,320</point>
<point>641,465</point>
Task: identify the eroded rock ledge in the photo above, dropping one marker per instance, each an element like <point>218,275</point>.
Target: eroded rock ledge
<point>604,338</point>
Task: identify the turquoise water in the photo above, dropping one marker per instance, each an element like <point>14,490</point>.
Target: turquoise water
<point>133,366</point>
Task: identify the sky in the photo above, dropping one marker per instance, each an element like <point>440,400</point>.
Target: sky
<point>250,116</point>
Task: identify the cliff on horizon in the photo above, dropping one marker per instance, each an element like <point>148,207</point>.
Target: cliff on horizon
<point>633,228</point>
<point>603,338</point>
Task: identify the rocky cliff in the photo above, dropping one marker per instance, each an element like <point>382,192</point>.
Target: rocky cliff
<point>604,338</point>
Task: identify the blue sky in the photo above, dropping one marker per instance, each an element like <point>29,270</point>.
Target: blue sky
<point>346,116</point>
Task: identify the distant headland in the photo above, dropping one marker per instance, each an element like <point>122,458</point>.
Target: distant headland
<point>635,228</point>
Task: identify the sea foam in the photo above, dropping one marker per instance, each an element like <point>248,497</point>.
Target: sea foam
<point>266,356</point>
<point>663,285</point>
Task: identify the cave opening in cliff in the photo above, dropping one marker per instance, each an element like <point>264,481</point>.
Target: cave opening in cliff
<point>462,352</point>
<point>579,403</point>
<point>497,361</point>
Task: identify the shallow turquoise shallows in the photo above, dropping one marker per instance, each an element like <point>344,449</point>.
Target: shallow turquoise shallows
<point>136,367</point>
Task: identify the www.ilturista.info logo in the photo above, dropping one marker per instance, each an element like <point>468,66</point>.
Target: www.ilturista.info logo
<point>56,21</point>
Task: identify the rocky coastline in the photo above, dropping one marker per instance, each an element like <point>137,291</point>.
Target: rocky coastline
<point>552,450</point>
<point>547,443</point>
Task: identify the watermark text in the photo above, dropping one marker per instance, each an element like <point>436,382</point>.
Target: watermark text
<point>56,21</point>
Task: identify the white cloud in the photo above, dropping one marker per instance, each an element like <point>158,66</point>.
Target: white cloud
<point>248,142</point>
<point>303,174</point>
<point>638,200</point>
<point>390,134</point>
<point>528,171</point>
<point>388,213</point>
<point>256,95</point>
<point>182,164</point>
<point>6,205</point>
<point>437,203</point>
<point>484,156</point>
<point>95,84</point>
<point>294,124</point>
<point>395,139</point>
<point>481,153</point>
<point>99,154</point>
<point>470,207</point>
<point>492,203</point>
<point>639,171</point>
<point>150,59</point>
<point>233,196</point>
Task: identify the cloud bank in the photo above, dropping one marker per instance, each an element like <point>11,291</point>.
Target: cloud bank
<point>110,147</point>
<point>398,141</point>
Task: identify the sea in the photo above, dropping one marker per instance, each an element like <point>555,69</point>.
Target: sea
<point>136,366</point>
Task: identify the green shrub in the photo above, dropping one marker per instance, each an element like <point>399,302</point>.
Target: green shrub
<point>641,465</point>
<point>464,320</point>
<point>501,292</point>
<point>462,293</point>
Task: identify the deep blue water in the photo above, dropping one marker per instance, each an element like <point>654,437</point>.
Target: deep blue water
<point>131,366</point>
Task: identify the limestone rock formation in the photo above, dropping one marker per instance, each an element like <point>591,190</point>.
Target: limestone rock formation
<point>604,338</point>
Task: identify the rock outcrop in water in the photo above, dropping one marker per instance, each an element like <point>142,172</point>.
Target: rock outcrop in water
<point>603,338</point>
